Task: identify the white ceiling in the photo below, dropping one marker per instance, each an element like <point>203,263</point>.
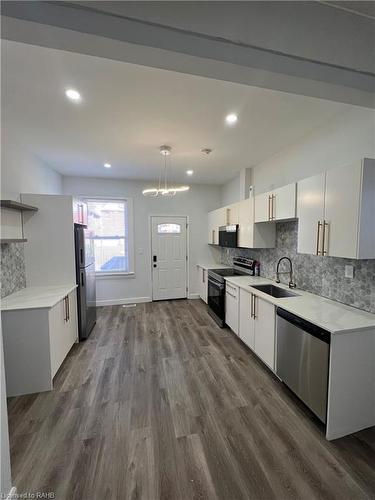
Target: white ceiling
<point>128,111</point>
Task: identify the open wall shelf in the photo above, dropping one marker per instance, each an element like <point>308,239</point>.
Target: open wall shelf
<point>16,205</point>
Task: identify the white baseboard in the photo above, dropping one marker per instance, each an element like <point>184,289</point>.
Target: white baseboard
<point>12,494</point>
<point>120,302</point>
<point>194,296</point>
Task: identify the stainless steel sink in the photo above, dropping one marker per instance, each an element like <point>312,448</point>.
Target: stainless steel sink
<point>275,291</point>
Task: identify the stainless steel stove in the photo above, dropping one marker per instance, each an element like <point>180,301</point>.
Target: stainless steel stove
<point>216,286</point>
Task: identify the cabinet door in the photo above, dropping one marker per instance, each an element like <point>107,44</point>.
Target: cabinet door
<point>204,295</point>
<point>265,331</point>
<point>202,283</point>
<point>231,307</point>
<point>262,209</point>
<point>211,227</point>
<point>232,214</point>
<point>342,201</point>
<point>246,223</point>
<point>62,330</point>
<point>310,212</point>
<point>246,322</point>
<point>283,204</point>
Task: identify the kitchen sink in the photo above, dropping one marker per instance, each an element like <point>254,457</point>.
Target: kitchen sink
<point>275,291</point>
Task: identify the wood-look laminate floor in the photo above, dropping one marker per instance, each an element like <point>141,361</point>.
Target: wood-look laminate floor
<point>160,403</point>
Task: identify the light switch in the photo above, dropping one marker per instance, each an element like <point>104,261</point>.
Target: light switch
<point>349,272</point>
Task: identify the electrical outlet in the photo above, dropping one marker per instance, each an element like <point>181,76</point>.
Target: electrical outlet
<point>349,272</point>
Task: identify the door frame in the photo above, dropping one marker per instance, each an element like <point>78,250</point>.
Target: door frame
<point>186,217</point>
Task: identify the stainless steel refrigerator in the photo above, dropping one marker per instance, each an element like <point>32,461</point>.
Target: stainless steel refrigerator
<point>85,272</point>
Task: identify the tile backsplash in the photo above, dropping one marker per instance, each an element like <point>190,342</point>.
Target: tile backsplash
<point>12,269</point>
<point>321,275</point>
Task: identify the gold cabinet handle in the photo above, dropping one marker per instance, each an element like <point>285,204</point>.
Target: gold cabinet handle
<point>324,251</point>
<point>318,252</point>
<point>273,207</point>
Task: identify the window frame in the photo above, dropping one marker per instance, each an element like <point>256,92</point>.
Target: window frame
<point>130,236</point>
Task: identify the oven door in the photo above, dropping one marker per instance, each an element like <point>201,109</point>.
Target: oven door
<point>216,298</point>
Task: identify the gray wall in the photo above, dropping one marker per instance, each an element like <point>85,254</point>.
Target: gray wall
<point>12,269</point>
<point>195,203</point>
<point>320,275</point>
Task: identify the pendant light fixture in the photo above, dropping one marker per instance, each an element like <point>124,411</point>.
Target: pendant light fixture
<point>163,188</point>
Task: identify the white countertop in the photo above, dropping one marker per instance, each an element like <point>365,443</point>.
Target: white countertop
<point>36,297</point>
<point>212,265</point>
<point>326,313</point>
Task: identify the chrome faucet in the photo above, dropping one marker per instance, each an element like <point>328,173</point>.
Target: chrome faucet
<point>290,272</point>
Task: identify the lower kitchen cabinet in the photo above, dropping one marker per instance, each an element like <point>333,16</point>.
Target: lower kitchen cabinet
<point>202,283</point>
<point>36,342</point>
<point>264,328</point>
<point>246,321</point>
<point>257,326</point>
<point>232,307</point>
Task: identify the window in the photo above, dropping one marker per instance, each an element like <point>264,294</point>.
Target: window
<point>108,224</point>
<point>169,228</point>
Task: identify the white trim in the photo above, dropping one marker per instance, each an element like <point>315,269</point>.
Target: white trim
<point>186,217</point>
<point>119,302</point>
<point>194,296</point>
<point>12,493</point>
<point>131,239</point>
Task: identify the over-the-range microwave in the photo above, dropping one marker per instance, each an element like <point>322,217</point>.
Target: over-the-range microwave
<point>228,236</point>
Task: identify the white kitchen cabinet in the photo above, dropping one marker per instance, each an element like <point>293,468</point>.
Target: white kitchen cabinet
<point>264,331</point>
<point>246,329</point>
<point>231,213</point>
<point>50,251</point>
<point>252,235</point>
<point>279,204</point>
<point>211,228</point>
<point>310,213</point>
<point>62,330</point>
<point>216,219</point>
<point>341,222</point>
<point>202,283</point>
<point>284,202</point>
<point>36,342</point>
<point>232,306</point>
<point>80,212</point>
<point>263,207</point>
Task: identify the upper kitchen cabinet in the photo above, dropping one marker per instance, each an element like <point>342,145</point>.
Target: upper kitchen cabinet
<point>50,252</point>
<point>336,212</point>
<point>80,212</point>
<point>310,212</point>
<point>232,214</point>
<point>252,235</point>
<point>216,219</point>
<point>349,221</point>
<point>279,204</point>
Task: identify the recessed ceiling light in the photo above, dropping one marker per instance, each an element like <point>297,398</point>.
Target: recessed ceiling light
<point>189,172</point>
<point>73,95</point>
<point>107,165</point>
<point>231,119</point>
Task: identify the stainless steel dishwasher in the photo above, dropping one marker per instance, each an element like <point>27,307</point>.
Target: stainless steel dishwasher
<point>302,360</point>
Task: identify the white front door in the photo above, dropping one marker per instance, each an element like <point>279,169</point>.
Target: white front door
<point>168,257</point>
